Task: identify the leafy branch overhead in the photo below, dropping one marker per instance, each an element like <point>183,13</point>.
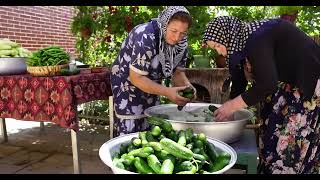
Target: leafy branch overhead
<point>109,26</point>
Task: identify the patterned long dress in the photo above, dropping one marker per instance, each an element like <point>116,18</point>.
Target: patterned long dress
<point>290,136</point>
<point>138,52</point>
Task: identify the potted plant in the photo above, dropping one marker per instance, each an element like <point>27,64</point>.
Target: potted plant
<point>203,58</point>
<point>289,13</point>
<point>84,23</point>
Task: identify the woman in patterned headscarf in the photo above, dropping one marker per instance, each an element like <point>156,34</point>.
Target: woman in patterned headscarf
<point>284,65</point>
<point>152,51</point>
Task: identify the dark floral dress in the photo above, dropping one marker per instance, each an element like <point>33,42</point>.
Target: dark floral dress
<point>289,137</point>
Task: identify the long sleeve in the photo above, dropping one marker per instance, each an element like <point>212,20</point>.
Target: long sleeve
<point>239,83</point>
<point>265,73</point>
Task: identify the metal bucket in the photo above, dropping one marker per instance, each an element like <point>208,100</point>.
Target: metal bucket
<point>110,147</point>
<point>229,131</point>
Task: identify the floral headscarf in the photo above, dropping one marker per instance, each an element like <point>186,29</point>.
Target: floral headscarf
<point>170,56</point>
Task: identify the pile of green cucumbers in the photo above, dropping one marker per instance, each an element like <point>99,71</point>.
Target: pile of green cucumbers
<point>162,150</point>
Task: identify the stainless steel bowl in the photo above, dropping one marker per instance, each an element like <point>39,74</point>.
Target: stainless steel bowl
<point>13,65</point>
<point>229,131</point>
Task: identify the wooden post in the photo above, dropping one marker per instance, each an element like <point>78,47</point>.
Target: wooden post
<point>3,128</point>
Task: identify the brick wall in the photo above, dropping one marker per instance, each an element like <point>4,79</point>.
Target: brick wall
<point>35,27</point>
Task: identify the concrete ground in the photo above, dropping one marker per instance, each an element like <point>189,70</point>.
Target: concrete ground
<point>31,151</point>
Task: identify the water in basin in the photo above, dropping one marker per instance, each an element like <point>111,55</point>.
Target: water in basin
<point>187,114</point>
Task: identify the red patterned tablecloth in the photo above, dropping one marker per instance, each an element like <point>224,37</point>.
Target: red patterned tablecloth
<point>51,99</point>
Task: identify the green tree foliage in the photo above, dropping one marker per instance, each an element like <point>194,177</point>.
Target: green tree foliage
<point>309,20</point>
<point>112,24</point>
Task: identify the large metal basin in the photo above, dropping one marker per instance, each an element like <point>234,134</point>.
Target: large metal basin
<point>229,131</point>
<point>110,147</point>
<point>13,65</point>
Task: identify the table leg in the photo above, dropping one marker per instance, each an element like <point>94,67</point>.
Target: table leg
<point>111,116</point>
<point>252,164</point>
<point>3,128</point>
<point>75,152</point>
<point>41,127</point>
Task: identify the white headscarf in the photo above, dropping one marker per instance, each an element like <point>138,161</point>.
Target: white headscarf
<point>170,56</point>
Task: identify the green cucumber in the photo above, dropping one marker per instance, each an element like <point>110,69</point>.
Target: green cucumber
<point>162,155</point>
<point>163,124</point>
<point>127,159</point>
<point>143,137</point>
<point>136,142</point>
<point>156,131</point>
<point>211,151</point>
<point>199,144</point>
<point>184,166</point>
<point>118,163</point>
<point>189,146</point>
<point>131,147</point>
<point>161,136</point>
<point>176,149</point>
<point>185,172</point>
<point>189,134</point>
<point>203,153</point>
<point>182,138</point>
<point>149,137</point>
<point>196,150</point>
<point>142,152</point>
<point>202,137</point>
<point>167,167</point>
<point>173,136</point>
<point>199,157</point>
<point>154,163</point>
<point>155,145</point>
<point>221,161</point>
<point>142,166</point>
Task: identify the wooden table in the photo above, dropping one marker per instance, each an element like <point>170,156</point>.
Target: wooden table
<point>51,99</point>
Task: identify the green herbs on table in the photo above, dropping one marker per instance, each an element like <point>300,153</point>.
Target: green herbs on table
<point>49,56</point>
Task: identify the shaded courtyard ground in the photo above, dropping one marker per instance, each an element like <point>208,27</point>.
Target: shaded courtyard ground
<point>31,151</point>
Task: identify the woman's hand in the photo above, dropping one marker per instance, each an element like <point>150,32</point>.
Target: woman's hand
<point>225,112</point>
<point>173,95</point>
<point>194,91</point>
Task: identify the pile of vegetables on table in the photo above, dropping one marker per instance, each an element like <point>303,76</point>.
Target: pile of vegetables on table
<point>49,56</point>
<point>9,48</point>
<point>162,150</point>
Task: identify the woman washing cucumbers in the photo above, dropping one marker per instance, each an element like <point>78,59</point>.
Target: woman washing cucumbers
<point>152,51</point>
<point>283,64</point>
